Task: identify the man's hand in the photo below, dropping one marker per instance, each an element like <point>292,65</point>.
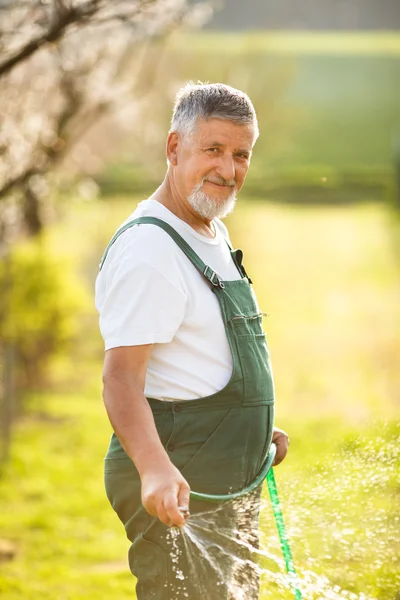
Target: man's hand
<point>281,439</point>
<point>165,494</point>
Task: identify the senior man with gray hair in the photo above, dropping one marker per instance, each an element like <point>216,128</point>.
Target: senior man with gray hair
<point>187,379</point>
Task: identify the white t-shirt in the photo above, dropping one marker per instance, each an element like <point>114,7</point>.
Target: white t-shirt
<point>148,292</point>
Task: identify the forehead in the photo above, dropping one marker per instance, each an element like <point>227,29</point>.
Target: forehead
<point>224,133</point>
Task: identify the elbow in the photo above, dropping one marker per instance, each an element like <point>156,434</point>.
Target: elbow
<point>118,384</point>
<point>110,385</point>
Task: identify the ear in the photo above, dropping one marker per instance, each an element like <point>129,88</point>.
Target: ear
<point>173,142</point>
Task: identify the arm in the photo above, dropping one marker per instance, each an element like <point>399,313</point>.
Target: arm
<point>164,489</point>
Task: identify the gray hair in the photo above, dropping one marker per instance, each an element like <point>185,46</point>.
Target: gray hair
<point>211,101</point>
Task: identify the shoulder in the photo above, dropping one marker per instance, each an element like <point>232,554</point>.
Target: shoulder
<point>148,253</point>
<point>145,243</point>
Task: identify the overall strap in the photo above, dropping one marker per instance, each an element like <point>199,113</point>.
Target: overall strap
<point>210,275</point>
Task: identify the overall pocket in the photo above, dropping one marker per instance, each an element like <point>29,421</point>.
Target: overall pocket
<point>231,456</point>
<point>123,489</point>
<point>254,358</point>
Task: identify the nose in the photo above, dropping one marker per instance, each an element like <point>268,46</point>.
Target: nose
<point>226,167</point>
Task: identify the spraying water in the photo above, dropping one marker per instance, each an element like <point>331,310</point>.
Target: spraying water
<point>330,549</point>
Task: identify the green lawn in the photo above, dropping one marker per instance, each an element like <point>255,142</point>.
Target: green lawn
<point>330,281</point>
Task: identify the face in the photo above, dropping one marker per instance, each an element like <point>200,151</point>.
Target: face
<point>210,166</point>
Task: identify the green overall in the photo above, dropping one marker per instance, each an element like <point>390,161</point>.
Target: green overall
<point>219,443</point>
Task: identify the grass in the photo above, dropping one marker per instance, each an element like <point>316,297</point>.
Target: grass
<point>329,278</point>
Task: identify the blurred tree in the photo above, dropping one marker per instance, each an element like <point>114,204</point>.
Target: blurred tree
<point>64,64</point>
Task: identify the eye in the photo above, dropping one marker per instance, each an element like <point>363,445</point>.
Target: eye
<point>242,156</point>
<point>212,150</point>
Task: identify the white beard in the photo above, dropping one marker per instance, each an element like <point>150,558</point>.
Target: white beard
<point>207,206</point>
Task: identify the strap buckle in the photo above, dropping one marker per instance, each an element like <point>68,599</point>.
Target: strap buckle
<point>212,277</point>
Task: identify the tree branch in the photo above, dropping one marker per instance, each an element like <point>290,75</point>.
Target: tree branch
<point>60,23</point>
<point>17,182</point>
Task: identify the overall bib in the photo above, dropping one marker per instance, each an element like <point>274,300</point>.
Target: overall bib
<point>219,443</point>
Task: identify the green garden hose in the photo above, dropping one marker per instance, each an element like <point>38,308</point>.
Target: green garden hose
<point>283,537</point>
<point>268,473</point>
<point>259,479</point>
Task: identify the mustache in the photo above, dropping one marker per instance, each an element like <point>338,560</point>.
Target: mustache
<point>220,181</point>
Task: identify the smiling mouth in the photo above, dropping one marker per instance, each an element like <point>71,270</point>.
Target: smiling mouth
<point>223,185</point>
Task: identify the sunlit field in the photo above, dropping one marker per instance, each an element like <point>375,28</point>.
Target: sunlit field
<point>329,279</point>
<point>385,43</point>
<point>324,98</point>
<point>328,106</point>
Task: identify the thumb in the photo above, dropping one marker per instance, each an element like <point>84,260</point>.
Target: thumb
<point>184,497</point>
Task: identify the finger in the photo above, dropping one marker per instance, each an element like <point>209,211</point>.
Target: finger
<point>162,514</point>
<point>156,509</point>
<point>183,500</point>
<point>172,510</point>
<point>280,455</point>
<point>282,444</point>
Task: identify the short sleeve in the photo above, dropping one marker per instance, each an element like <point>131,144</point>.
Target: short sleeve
<point>140,304</point>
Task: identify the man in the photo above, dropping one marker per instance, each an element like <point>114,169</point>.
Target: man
<point>187,380</point>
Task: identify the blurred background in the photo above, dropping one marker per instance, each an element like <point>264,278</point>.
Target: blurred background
<point>86,94</point>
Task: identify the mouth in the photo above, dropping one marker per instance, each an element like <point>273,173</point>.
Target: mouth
<point>220,185</point>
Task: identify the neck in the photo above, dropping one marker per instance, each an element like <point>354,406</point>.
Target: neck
<point>169,196</point>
